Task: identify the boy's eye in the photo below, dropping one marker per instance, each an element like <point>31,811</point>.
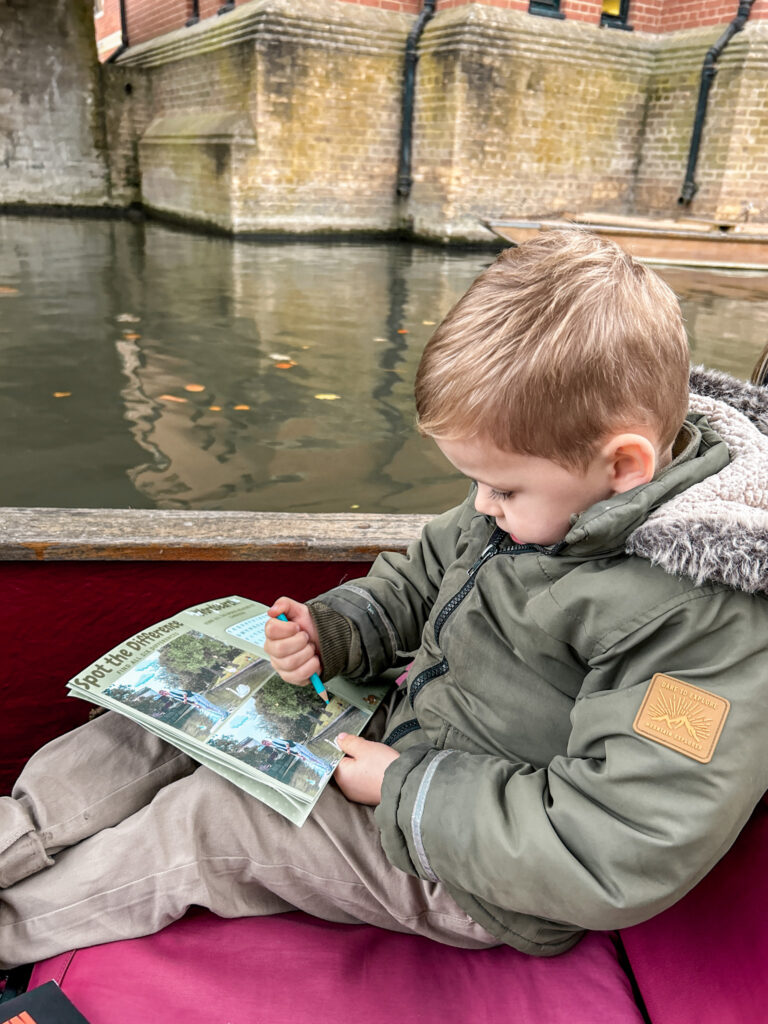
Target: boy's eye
<point>500,495</point>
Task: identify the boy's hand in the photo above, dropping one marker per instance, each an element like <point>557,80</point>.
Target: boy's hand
<point>361,773</point>
<point>292,646</point>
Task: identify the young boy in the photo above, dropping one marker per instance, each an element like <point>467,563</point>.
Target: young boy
<point>581,735</point>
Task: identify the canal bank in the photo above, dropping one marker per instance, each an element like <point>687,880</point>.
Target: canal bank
<point>285,118</point>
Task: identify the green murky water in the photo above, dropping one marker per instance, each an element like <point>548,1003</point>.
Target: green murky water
<point>147,367</point>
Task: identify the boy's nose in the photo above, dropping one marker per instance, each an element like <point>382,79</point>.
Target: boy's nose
<point>483,502</point>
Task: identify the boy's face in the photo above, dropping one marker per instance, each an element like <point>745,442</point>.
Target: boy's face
<point>531,498</point>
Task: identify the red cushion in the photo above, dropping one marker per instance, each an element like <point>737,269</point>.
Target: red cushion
<point>293,969</point>
<point>703,960</point>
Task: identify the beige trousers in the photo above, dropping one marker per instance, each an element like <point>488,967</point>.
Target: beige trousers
<point>111,833</point>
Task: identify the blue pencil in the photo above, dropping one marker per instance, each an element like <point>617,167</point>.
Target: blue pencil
<point>314,678</point>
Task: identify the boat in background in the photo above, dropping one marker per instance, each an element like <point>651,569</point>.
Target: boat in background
<point>686,241</point>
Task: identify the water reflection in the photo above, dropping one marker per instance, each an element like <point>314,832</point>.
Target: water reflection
<point>126,317</point>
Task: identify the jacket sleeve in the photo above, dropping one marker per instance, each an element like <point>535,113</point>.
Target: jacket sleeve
<point>621,826</point>
<point>387,609</point>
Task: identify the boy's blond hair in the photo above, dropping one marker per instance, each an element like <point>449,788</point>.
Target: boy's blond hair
<point>559,343</point>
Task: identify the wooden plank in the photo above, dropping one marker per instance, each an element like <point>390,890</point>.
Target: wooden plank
<point>745,246</point>
<point>51,534</point>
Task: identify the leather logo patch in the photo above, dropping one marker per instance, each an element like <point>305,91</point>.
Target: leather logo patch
<point>682,717</point>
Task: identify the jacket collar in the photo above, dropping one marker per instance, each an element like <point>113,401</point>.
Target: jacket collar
<point>716,529</point>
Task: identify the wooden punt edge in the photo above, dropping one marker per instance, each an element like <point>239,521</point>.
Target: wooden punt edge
<point>55,534</point>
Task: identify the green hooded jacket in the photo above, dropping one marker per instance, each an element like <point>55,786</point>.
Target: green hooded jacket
<point>583,730</point>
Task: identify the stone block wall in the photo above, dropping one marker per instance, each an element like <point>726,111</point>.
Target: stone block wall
<point>51,116</point>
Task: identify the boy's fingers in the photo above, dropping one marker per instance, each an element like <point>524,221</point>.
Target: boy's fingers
<point>351,744</point>
<point>283,647</point>
<point>300,676</point>
<point>296,660</point>
<point>284,606</point>
<point>276,629</point>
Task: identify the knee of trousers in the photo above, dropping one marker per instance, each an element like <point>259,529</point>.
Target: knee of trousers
<point>22,852</point>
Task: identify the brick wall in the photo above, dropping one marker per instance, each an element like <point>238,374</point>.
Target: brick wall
<point>148,19</point>
<point>278,118</point>
<point>109,33</point>
<point>271,118</point>
<point>51,117</point>
<point>518,117</point>
<point>732,170</point>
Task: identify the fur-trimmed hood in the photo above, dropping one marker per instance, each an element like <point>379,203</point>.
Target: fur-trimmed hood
<point>717,530</point>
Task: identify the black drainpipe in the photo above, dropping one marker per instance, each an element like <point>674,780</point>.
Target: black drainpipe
<point>708,72</point>
<point>404,180</point>
<point>124,36</point>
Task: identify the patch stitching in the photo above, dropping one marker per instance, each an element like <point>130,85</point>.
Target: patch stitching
<point>682,717</point>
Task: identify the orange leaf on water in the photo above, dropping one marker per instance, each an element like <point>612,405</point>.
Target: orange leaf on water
<point>402,331</point>
<point>194,387</point>
<point>242,407</point>
<point>215,408</point>
<point>61,394</point>
<point>171,398</point>
<point>5,289</point>
<point>284,366</point>
<point>131,336</point>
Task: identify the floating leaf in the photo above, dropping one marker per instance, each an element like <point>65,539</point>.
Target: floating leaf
<point>171,398</point>
<point>429,323</point>
<point>278,355</point>
<point>285,366</point>
<point>215,408</point>
<point>305,347</point>
<point>379,339</point>
<point>194,387</point>
<point>131,336</point>
<point>327,397</point>
<point>354,506</point>
<point>402,331</point>
<point>241,407</point>
<point>61,394</point>
<point>127,318</point>
<point>5,289</point>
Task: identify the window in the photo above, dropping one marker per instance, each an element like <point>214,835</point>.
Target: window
<point>549,8</point>
<point>615,14</point>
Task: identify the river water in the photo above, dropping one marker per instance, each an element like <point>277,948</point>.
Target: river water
<point>149,367</point>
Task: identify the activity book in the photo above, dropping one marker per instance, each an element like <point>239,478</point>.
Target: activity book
<point>202,681</point>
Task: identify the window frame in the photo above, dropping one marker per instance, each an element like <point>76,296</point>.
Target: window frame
<point>619,20</point>
<point>546,8</point>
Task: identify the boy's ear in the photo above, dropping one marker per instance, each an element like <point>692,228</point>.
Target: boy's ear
<point>631,461</point>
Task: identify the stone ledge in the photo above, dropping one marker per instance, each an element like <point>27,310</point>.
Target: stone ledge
<point>185,129</point>
<point>327,23</point>
<point>502,33</point>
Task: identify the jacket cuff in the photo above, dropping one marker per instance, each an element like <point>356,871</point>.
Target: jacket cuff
<point>335,639</point>
<point>399,815</point>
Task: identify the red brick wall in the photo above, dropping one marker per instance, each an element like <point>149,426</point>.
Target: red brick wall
<point>149,18</point>
<point>695,13</point>
<point>107,24</point>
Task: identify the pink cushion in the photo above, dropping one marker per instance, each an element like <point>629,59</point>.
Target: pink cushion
<point>293,969</point>
<point>703,960</point>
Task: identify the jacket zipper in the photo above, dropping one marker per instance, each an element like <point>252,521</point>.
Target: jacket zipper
<point>428,674</point>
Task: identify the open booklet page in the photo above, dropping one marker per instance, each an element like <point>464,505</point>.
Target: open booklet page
<point>201,681</point>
